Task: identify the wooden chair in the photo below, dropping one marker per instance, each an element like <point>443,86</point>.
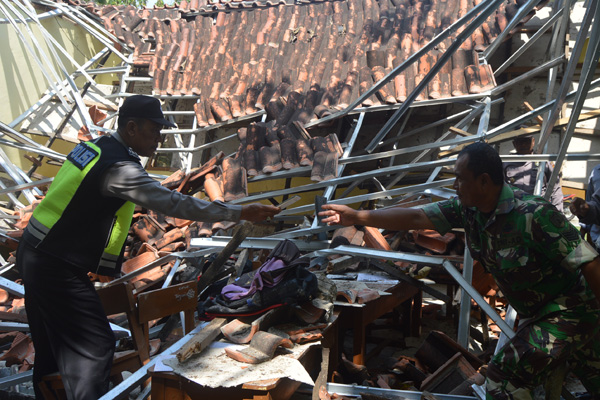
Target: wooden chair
<point>160,303</point>
<point>115,299</point>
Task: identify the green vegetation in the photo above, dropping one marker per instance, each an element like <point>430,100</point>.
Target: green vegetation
<point>136,3</point>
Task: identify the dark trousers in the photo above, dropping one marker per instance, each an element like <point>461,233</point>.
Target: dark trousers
<point>69,328</point>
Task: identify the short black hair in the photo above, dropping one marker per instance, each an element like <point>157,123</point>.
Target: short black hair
<point>483,158</point>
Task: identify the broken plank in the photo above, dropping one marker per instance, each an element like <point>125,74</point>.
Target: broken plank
<point>201,340</point>
<point>520,132</point>
<point>529,107</point>
<point>459,131</point>
<point>321,380</point>
<point>586,131</point>
<point>208,277</point>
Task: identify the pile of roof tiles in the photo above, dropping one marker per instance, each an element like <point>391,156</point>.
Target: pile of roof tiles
<point>151,235</point>
<point>440,365</point>
<point>319,55</point>
<point>297,62</point>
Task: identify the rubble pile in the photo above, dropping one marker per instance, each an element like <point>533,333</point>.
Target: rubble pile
<point>152,237</point>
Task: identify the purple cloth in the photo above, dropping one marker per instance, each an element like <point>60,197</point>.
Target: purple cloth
<point>267,275</point>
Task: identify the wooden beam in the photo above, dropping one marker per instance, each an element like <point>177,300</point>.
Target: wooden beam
<point>538,118</point>
<point>586,132</point>
<point>101,106</point>
<point>574,185</point>
<point>460,131</point>
<point>201,340</point>
<point>522,131</point>
<point>209,276</point>
<point>321,381</point>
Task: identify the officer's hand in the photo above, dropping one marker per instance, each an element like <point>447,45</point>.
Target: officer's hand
<point>336,214</point>
<point>579,207</point>
<point>255,212</point>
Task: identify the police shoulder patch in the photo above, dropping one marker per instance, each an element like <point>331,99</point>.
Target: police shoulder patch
<point>82,155</point>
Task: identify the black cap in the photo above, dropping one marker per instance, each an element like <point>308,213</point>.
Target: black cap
<point>140,106</point>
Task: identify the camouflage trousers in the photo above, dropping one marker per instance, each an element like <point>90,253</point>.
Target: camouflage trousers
<point>538,347</point>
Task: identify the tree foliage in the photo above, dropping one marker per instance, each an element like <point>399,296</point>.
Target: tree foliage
<point>135,3</point>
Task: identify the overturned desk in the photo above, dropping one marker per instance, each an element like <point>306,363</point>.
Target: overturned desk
<point>393,295</point>
<point>212,374</point>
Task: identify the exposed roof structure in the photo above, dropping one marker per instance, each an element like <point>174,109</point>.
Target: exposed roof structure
<point>327,53</point>
<point>296,63</point>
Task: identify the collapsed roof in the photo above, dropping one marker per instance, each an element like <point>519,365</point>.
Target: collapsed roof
<point>291,65</point>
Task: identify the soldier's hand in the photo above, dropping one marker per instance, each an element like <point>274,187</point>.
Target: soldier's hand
<point>255,212</point>
<point>579,207</point>
<point>337,214</point>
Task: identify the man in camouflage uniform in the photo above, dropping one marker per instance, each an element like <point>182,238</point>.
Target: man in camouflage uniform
<point>524,174</point>
<point>543,267</point>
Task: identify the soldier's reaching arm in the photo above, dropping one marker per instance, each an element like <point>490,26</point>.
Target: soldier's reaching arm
<point>393,218</point>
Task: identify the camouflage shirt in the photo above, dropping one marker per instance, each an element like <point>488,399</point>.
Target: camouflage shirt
<point>529,247</point>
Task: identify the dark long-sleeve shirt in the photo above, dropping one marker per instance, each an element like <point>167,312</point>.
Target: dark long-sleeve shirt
<point>130,181</point>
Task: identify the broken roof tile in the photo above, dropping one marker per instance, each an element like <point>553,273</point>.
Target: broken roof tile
<point>244,57</point>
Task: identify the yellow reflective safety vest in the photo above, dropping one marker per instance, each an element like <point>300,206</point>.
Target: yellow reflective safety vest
<point>74,221</point>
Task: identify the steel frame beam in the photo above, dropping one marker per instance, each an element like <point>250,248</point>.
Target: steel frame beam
<point>424,260</point>
<point>417,55</point>
<point>356,390</point>
<point>567,77</point>
<point>489,7</point>
<point>521,13</point>
<point>13,380</point>
<point>521,50</point>
<point>589,68</point>
<point>258,243</point>
<point>48,96</point>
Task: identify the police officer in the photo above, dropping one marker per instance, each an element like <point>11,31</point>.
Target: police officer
<point>546,271</point>
<point>81,226</point>
<point>524,174</point>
